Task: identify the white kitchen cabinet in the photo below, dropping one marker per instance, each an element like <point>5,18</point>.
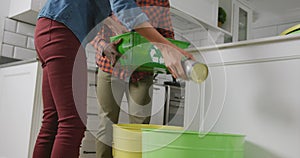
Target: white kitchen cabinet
<point>92,101</point>
<point>252,89</point>
<point>238,20</point>
<point>25,10</point>
<point>20,109</point>
<point>88,146</point>
<point>203,10</point>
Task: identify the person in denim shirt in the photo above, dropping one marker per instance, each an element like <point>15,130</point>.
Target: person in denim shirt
<point>62,31</point>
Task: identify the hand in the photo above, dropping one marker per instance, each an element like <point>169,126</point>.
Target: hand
<point>171,53</point>
<point>186,54</point>
<point>173,57</point>
<point>110,51</point>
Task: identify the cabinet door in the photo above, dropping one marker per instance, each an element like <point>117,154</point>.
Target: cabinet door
<point>88,145</point>
<point>92,101</point>
<point>242,21</point>
<point>18,109</point>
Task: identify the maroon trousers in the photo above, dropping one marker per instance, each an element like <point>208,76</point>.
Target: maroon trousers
<point>64,89</point>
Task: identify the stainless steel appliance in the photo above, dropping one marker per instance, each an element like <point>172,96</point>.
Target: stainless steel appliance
<point>174,103</point>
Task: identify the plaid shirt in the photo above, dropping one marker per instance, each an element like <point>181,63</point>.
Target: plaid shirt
<point>158,13</point>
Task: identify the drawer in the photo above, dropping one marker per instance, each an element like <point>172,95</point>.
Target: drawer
<point>92,105</point>
<point>92,77</point>
<point>91,91</point>
<point>92,84</point>
<point>88,146</point>
<point>89,135</point>
<point>92,122</point>
<point>87,154</point>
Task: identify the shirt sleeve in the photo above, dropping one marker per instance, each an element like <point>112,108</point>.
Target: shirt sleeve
<point>128,13</point>
<point>102,39</point>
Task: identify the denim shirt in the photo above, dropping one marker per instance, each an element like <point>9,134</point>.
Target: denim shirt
<point>83,17</point>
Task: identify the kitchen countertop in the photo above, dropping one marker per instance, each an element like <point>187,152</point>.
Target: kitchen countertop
<point>196,50</point>
<point>4,60</point>
<point>18,63</point>
<point>245,43</point>
<point>275,48</point>
<point>14,63</point>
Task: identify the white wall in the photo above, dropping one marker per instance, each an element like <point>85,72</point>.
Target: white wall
<point>268,23</point>
<point>271,17</point>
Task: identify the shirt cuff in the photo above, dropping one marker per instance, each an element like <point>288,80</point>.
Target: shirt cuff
<point>131,18</point>
<point>101,46</point>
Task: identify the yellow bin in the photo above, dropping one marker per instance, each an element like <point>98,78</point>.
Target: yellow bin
<point>127,139</point>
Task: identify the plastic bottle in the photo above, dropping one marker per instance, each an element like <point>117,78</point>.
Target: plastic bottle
<point>195,71</point>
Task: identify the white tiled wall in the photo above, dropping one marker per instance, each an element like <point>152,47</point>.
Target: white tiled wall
<point>7,50</point>
<point>273,30</point>
<point>14,39</point>
<point>10,25</point>
<point>18,40</point>
<point>25,29</point>
<point>200,37</point>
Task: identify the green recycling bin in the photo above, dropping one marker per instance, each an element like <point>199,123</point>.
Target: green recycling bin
<point>139,53</point>
<point>160,143</point>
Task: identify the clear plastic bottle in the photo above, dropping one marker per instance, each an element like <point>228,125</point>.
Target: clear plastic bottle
<point>195,71</point>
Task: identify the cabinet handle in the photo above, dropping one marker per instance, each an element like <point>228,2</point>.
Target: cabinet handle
<point>89,152</point>
<point>154,88</point>
<point>93,85</point>
<point>182,97</point>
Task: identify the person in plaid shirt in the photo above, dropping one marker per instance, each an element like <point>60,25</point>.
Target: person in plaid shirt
<point>110,89</point>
